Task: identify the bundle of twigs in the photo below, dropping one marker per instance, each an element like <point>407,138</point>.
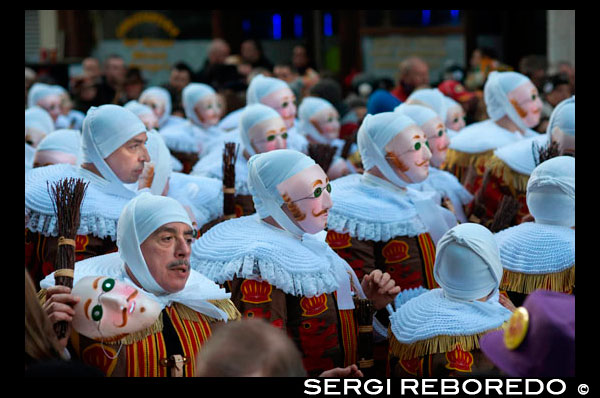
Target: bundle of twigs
<point>363,314</point>
<point>348,141</point>
<point>541,154</point>
<point>479,208</point>
<point>67,195</point>
<point>507,210</point>
<point>322,154</point>
<point>230,153</point>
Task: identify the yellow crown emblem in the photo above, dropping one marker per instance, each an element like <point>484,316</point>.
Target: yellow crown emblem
<point>337,241</point>
<point>256,292</point>
<point>395,251</point>
<point>459,360</point>
<point>314,306</point>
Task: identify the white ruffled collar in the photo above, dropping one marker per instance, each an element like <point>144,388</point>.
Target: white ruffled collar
<point>354,198</point>
<point>534,248</point>
<point>522,155</point>
<point>100,211</point>
<point>484,136</point>
<point>432,314</point>
<point>301,268</point>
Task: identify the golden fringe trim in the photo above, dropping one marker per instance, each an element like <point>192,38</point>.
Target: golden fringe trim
<point>458,160</point>
<point>435,345</point>
<point>514,180</point>
<point>41,295</point>
<point>519,282</point>
<point>225,305</point>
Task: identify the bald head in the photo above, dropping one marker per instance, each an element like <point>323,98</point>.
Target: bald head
<point>218,51</point>
<point>413,73</point>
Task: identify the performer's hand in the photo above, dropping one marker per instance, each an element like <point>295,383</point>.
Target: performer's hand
<point>349,371</point>
<point>59,307</point>
<point>380,288</point>
<point>506,303</point>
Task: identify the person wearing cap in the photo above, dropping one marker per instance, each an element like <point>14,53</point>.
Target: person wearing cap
<point>144,112</point>
<point>113,154</point>
<point>456,118</point>
<point>193,139</point>
<point>277,265</point>
<point>513,105</point>
<point>62,146</point>
<point>142,311</point>
<point>276,94</point>
<point>159,99</point>
<point>202,197</point>
<point>468,100</point>
<point>541,254</point>
<point>509,167</point>
<point>413,74</point>
<point>452,195</point>
<point>38,124</point>
<point>148,116</point>
<point>319,122</point>
<point>436,333</point>
<point>68,118</point>
<point>378,220</point>
<point>46,96</point>
<point>538,340</point>
<point>261,130</point>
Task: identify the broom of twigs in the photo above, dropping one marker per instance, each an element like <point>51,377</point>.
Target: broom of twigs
<point>478,203</point>
<point>363,313</point>
<point>545,152</point>
<point>230,153</point>
<point>322,154</point>
<point>67,195</point>
<point>507,210</point>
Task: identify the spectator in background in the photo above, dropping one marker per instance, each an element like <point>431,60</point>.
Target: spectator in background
<point>110,88</point>
<point>181,75</point>
<point>483,61</point>
<point>567,69</point>
<point>91,68</point>
<point>133,85</point>
<point>555,89</point>
<point>534,67</point>
<point>413,74</point>
<point>30,76</point>
<point>84,92</point>
<point>217,72</point>
<point>252,53</point>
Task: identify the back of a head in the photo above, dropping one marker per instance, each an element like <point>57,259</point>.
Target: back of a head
<point>551,192</point>
<point>250,347</point>
<point>467,264</point>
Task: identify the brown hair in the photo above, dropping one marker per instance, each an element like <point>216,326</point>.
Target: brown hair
<point>40,339</point>
<point>294,209</point>
<point>249,347</point>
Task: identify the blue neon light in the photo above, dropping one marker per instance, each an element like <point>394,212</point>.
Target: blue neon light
<point>426,17</point>
<point>298,25</point>
<point>327,25</point>
<point>276,26</point>
<point>454,13</point>
<point>246,25</point>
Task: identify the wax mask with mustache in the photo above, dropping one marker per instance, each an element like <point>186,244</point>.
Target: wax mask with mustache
<point>282,101</point>
<point>110,308</point>
<point>208,110</point>
<point>409,155</point>
<point>327,122</point>
<point>307,198</point>
<point>437,140</point>
<point>268,135</point>
<point>526,101</point>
